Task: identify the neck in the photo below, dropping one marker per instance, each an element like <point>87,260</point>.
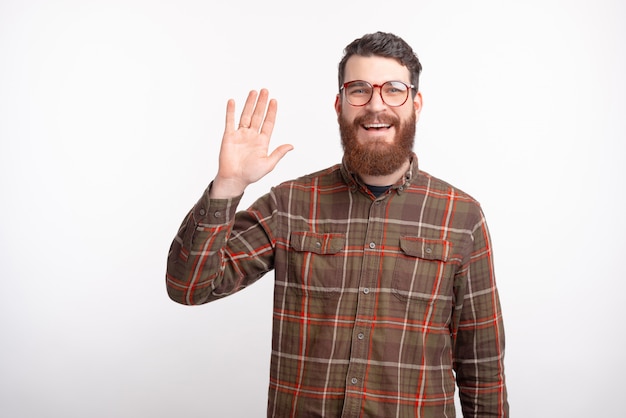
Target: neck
<point>388,179</point>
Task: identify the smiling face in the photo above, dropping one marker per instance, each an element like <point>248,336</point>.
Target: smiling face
<point>377,138</point>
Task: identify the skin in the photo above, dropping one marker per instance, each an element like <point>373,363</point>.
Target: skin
<point>244,157</point>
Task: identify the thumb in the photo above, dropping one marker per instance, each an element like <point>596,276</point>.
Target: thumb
<point>279,153</point>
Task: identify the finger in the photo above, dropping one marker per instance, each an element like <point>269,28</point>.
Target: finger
<point>259,109</point>
<point>270,118</point>
<point>245,121</point>
<point>230,115</point>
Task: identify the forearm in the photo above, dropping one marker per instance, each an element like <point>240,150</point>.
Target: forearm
<point>196,257</point>
<point>479,364</point>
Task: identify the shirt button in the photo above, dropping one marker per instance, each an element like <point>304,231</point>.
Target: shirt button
<point>354,380</point>
<point>218,214</point>
<point>318,244</point>
<point>366,290</point>
<point>360,336</point>
<point>429,250</point>
<point>372,245</point>
<point>202,212</point>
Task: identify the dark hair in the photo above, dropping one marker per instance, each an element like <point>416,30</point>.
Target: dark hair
<point>385,45</point>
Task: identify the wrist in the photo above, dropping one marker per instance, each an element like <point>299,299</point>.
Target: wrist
<point>226,188</point>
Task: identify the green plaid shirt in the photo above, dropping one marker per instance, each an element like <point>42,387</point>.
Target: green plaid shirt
<point>378,302</point>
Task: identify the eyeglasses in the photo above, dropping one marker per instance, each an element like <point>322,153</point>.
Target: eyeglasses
<point>393,93</point>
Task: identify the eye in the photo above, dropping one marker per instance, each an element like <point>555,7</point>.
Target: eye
<point>358,89</point>
<point>394,87</point>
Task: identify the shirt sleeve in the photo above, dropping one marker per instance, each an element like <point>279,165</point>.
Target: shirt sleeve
<point>479,335</point>
<point>217,252</point>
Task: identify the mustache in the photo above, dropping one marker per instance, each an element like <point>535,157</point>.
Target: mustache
<point>376,118</point>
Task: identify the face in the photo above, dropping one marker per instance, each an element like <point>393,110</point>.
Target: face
<point>377,138</point>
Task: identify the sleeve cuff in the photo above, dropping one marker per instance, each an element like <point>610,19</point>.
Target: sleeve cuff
<point>215,211</point>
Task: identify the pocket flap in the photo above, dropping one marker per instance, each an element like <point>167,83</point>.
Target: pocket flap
<point>317,243</point>
<point>428,249</point>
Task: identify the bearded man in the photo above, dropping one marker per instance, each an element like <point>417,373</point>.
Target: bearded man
<point>384,295</point>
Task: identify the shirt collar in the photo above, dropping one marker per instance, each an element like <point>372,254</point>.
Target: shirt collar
<point>355,183</point>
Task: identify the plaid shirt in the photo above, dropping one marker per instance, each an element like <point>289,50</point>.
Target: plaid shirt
<point>378,302</point>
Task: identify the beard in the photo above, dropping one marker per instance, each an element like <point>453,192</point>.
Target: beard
<point>377,158</point>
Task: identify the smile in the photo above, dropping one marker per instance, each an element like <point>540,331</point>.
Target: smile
<point>376,126</point>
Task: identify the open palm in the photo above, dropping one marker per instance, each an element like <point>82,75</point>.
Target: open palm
<point>244,157</point>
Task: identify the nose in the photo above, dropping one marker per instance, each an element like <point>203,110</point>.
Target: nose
<point>376,102</point>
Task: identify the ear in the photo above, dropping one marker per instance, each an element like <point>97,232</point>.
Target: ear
<point>338,104</point>
<point>417,105</point>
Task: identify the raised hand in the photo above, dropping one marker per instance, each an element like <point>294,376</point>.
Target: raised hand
<point>244,155</point>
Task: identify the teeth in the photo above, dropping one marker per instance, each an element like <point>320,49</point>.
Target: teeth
<point>376,125</point>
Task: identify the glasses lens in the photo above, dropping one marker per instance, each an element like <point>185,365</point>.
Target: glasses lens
<point>395,93</point>
<point>358,93</point>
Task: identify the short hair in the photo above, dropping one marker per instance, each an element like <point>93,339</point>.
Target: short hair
<point>385,45</point>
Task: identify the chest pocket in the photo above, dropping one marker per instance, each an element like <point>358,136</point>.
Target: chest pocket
<point>422,271</point>
<point>315,263</point>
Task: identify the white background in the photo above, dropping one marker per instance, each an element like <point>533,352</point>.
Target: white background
<point>111,113</point>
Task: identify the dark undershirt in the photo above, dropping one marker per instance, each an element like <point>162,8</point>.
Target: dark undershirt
<point>377,190</point>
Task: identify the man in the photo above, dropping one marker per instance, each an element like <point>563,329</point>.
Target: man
<point>384,286</point>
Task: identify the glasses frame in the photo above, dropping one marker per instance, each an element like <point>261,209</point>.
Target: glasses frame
<point>409,87</point>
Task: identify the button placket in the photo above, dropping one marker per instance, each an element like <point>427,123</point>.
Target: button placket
<point>366,306</point>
